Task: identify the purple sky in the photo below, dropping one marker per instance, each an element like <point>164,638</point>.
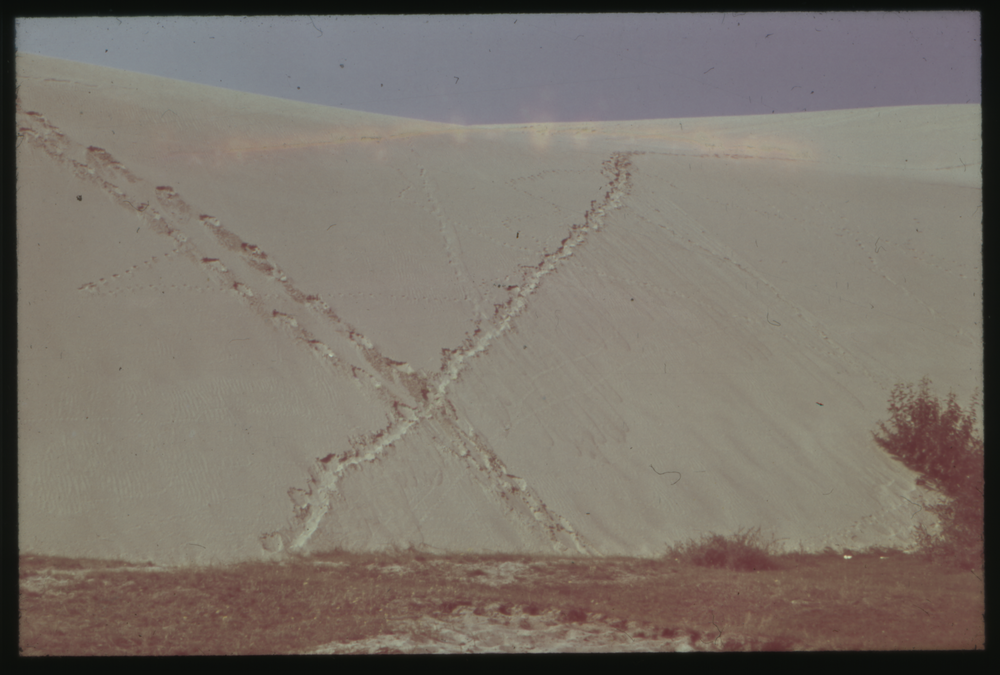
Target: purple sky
<point>496,69</point>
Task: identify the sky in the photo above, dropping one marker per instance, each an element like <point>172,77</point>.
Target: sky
<point>511,69</point>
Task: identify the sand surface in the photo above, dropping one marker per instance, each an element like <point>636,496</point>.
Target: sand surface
<point>249,325</point>
<point>515,631</point>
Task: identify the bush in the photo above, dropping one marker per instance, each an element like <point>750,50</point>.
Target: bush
<point>744,551</point>
<point>939,442</point>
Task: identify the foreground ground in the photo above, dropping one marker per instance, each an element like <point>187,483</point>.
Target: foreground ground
<point>416,603</point>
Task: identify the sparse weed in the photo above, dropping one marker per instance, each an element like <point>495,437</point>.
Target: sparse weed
<point>822,601</point>
<point>744,551</point>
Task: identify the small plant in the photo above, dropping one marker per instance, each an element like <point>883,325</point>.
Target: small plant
<point>939,442</point>
<point>744,551</point>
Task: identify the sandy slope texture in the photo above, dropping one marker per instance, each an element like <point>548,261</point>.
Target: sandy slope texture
<point>249,325</point>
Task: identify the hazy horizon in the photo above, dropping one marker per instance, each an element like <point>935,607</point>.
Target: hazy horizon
<point>510,69</point>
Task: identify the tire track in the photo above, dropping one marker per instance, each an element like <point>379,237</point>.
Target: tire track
<point>102,166</point>
<point>317,498</point>
<point>428,392</point>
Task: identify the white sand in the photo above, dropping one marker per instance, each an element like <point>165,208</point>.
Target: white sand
<point>250,325</point>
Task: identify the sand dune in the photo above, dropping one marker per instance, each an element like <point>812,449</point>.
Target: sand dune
<point>249,325</point>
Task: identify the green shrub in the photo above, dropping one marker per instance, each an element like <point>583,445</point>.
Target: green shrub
<point>744,551</point>
<point>939,442</point>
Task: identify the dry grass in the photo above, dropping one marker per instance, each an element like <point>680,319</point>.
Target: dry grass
<point>744,551</point>
<point>800,602</point>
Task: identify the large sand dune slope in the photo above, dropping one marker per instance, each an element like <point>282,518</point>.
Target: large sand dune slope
<point>249,325</point>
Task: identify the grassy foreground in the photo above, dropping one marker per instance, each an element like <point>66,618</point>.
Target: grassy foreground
<point>728,590</point>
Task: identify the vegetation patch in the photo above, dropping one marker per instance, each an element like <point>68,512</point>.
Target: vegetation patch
<point>821,602</point>
<point>938,440</point>
<point>877,600</point>
<point>744,551</point>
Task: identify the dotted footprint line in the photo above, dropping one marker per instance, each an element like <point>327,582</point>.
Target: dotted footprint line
<point>57,145</point>
<point>450,237</point>
<point>116,279</point>
<point>43,134</point>
<point>403,417</point>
